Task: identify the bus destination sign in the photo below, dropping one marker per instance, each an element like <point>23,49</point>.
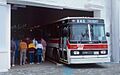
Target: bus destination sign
<point>87,21</point>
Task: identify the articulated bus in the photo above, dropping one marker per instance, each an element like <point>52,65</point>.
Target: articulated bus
<point>77,40</point>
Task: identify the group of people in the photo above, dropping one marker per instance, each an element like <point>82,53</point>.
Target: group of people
<point>30,51</point>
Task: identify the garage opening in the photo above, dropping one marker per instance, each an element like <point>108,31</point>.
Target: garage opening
<point>26,20</point>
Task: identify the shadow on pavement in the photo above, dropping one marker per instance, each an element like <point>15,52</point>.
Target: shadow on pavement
<point>84,66</point>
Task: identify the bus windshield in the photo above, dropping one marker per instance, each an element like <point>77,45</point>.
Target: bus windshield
<point>97,32</point>
<point>87,32</point>
<point>79,32</point>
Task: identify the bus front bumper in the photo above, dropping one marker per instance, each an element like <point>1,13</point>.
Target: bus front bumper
<point>88,60</point>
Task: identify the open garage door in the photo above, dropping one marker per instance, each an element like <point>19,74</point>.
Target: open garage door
<point>27,19</point>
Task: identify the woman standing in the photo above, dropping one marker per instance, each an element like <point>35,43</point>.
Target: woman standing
<point>23,49</point>
<point>31,51</point>
<point>39,48</point>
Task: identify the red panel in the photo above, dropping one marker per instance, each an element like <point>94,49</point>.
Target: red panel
<point>97,46</point>
<point>72,46</point>
<point>88,46</point>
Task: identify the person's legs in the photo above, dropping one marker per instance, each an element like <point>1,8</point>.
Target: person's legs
<point>30,56</point>
<point>21,57</point>
<point>39,53</point>
<point>44,50</point>
<point>24,56</point>
<point>27,56</point>
<point>13,58</point>
<point>38,60</point>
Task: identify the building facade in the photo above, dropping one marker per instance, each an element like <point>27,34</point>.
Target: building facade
<point>107,9</point>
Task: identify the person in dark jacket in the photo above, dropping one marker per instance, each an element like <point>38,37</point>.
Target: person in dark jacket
<point>13,48</point>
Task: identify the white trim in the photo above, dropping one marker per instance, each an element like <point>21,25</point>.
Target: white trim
<point>54,4</point>
<point>91,6</point>
<point>78,8</point>
<point>68,55</point>
<point>89,56</point>
<point>4,52</point>
<point>9,35</point>
<point>89,60</point>
<point>42,4</point>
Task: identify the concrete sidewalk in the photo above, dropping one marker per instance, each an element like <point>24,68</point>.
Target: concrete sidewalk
<point>49,68</point>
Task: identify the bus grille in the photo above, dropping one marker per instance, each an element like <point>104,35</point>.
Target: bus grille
<point>89,52</point>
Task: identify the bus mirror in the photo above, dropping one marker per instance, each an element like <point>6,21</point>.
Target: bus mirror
<point>107,34</point>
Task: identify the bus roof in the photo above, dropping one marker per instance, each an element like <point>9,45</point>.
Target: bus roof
<point>67,18</point>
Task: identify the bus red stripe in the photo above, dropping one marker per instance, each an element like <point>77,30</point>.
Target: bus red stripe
<point>54,41</point>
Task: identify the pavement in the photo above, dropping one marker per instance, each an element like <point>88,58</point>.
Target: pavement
<point>49,68</point>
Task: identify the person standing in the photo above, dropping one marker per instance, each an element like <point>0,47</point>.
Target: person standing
<point>23,49</point>
<point>13,48</point>
<point>43,42</point>
<point>39,48</point>
<point>34,41</point>
<point>27,39</point>
<point>31,51</point>
<point>17,51</point>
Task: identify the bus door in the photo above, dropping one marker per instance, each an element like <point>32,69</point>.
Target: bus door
<point>63,43</point>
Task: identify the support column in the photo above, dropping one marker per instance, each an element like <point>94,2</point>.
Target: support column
<point>107,18</point>
<point>4,36</point>
<point>115,29</point>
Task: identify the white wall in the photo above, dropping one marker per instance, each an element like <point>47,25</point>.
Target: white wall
<point>72,4</point>
<point>106,14</point>
<point>4,36</point>
<point>119,27</point>
<point>3,1</point>
<point>115,21</point>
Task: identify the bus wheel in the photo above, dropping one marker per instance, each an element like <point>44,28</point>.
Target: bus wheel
<point>55,55</point>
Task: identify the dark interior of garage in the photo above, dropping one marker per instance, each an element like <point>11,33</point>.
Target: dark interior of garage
<point>25,21</point>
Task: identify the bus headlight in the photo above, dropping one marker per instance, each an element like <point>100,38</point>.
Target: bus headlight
<point>76,52</point>
<point>103,52</point>
<point>96,52</point>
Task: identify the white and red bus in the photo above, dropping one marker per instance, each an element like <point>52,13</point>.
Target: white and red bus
<point>76,40</point>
